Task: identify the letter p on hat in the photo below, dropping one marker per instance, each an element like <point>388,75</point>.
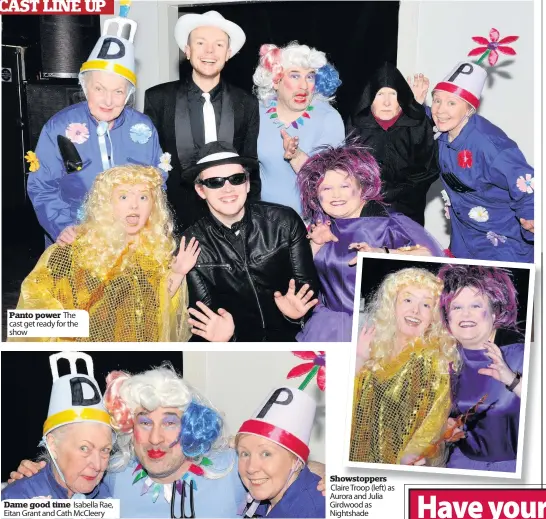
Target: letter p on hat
<point>285,417</point>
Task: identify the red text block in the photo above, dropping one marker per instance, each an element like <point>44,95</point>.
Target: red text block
<point>56,7</point>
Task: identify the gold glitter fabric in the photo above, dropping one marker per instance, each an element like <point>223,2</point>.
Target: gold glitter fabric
<point>131,303</point>
<point>401,407</point>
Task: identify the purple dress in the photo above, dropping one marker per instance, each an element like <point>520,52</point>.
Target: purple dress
<point>491,441</point>
<point>333,317</point>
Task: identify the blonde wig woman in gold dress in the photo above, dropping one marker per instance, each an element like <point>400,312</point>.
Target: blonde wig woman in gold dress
<point>402,397</point>
<point>120,267</point>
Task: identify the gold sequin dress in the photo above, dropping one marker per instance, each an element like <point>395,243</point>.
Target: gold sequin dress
<point>131,304</point>
<point>401,408</point>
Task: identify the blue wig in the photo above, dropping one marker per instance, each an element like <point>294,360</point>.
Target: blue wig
<point>201,427</point>
<point>327,80</point>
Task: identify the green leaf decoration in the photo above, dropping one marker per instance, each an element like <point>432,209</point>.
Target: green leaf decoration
<point>139,476</point>
<point>206,462</point>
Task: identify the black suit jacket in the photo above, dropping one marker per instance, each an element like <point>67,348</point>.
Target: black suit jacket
<point>167,107</point>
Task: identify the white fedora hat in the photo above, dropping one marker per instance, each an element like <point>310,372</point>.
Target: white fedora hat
<point>188,22</point>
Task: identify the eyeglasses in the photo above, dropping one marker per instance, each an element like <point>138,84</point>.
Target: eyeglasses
<point>217,182</point>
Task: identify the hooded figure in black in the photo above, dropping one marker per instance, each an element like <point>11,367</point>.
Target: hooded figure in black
<point>401,139</point>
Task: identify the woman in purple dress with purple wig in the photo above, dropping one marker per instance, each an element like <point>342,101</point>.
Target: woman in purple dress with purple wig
<point>479,308</point>
<point>342,186</point>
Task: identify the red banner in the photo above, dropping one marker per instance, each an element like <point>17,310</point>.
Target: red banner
<point>477,503</point>
<point>56,7</point>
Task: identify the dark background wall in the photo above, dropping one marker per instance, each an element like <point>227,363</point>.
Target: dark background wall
<point>26,389</point>
<point>374,271</point>
<point>356,36</point>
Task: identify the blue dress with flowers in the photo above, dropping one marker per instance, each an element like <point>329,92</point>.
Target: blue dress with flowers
<point>490,187</point>
<point>57,195</point>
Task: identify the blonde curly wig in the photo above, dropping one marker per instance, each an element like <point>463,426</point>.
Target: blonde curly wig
<point>104,239</point>
<point>382,313</point>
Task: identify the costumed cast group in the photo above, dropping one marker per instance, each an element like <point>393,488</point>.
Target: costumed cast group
<point>162,448</point>
<point>439,369</point>
<point>219,215</point>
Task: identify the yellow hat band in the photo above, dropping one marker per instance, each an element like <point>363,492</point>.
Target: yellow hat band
<point>71,415</point>
<point>109,66</point>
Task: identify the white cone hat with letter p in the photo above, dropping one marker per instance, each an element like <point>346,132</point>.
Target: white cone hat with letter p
<point>74,397</point>
<point>466,81</point>
<point>285,417</point>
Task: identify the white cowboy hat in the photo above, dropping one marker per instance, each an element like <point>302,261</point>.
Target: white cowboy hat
<point>188,22</point>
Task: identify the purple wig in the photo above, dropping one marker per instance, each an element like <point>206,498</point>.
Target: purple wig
<point>351,157</point>
<point>495,283</point>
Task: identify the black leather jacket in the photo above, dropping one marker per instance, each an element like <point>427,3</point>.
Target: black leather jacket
<point>239,269</point>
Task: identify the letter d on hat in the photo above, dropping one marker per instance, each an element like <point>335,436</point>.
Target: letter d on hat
<point>74,397</point>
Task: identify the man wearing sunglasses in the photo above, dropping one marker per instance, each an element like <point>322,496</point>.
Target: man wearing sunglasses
<point>255,260</point>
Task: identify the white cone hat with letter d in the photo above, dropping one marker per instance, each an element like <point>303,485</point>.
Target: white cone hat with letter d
<point>74,397</point>
<point>115,53</point>
<point>466,81</point>
<point>285,417</point>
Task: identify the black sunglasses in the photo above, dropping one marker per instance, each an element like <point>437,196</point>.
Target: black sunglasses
<point>217,182</point>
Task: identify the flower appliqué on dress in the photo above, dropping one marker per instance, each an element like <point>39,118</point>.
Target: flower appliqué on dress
<point>479,214</point>
<point>526,184</point>
<point>495,238</point>
<point>78,133</point>
<point>165,162</point>
<point>464,158</point>
<point>140,133</point>
<point>32,159</point>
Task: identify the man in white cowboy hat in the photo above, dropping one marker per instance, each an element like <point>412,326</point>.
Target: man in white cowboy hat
<point>489,184</point>
<point>77,439</point>
<point>250,252</point>
<point>84,139</point>
<point>280,484</point>
<point>202,108</point>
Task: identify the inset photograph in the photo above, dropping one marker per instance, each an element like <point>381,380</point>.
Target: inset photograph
<point>441,357</point>
<point>168,434</point>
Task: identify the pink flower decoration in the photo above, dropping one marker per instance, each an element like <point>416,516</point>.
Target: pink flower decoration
<point>494,46</point>
<point>318,361</point>
<point>526,184</point>
<point>78,133</point>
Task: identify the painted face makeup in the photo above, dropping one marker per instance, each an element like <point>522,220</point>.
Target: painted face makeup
<point>156,440</point>
<point>295,89</point>
<point>470,318</point>
<point>340,195</point>
<point>413,311</point>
